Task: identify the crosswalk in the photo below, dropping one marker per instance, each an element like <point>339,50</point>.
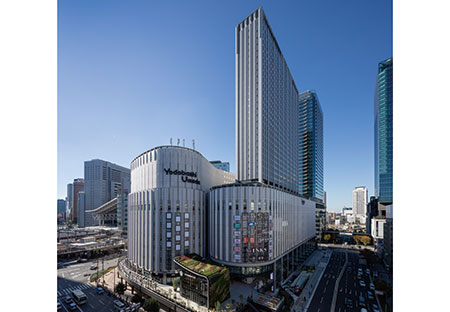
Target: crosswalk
<point>68,290</point>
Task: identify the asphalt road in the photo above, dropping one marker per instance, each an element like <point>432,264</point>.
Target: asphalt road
<point>350,288</point>
<point>323,295</point>
<point>76,276</point>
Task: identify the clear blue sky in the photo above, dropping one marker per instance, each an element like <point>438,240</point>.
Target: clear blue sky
<point>132,74</point>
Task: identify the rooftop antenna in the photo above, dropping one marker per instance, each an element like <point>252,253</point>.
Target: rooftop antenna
<point>178,142</point>
<point>193,144</point>
<point>183,142</point>
<point>170,141</point>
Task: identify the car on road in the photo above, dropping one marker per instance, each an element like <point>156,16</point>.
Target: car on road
<point>362,301</point>
<point>370,295</point>
<point>348,303</point>
<point>68,299</point>
<point>368,271</point>
<point>93,267</point>
<point>119,305</point>
<point>372,286</point>
<point>359,276</point>
<point>363,310</point>
<point>59,305</point>
<point>375,308</point>
<point>100,290</point>
<point>362,283</point>
<point>73,306</point>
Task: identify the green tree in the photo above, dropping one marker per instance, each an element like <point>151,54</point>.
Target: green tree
<point>217,305</point>
<point>137,297</point>
<point>120,288</point>
<point>326,237</point>
<point>151,305</point>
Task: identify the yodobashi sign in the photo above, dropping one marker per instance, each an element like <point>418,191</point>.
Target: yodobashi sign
<point>187,177</point>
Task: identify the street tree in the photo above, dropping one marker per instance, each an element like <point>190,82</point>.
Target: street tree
<point>151,305</point>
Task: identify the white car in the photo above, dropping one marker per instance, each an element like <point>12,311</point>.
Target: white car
<point>375,308</point>
<point>372,286</point>
<point>362,283</point>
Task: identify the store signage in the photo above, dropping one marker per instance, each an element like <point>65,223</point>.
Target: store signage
<point>237,225</point>
<point>186,177</point>
<point>251,224</point>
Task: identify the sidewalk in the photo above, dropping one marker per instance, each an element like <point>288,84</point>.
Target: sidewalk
<point>320,260</point>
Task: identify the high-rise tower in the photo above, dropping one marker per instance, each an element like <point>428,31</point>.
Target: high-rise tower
<point>383,132</point>
<point>266,108</point>
<point>311,146</point>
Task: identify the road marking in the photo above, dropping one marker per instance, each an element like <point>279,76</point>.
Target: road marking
<point>91,305</point>
<point>321,299</point>
<point>101,302</point>
<point>59,294</point>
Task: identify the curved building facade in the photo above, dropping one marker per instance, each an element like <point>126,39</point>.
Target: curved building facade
<point>167,206</point>
<point>252,226</point>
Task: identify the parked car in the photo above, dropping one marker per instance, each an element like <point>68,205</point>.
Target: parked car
<point>362,283</point>
<point>375,308</point>
<point>100,290</point>
<point>368,271</point>
<point>73,306</point>
<point>370,295</point>
<point>59,306</point>
<point>372,286</point>
<point>68,299</point>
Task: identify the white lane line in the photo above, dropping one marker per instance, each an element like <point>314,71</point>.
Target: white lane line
<point>91,305</point>
<point>59,294</point>
<point>101,302</point>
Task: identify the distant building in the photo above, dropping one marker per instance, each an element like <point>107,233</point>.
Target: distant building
<point>225,166</point>
<point>372,212</point>
<point>61,208</point>
<point>81,209</point>
<point>122,213</point>
<point>360,196</point>
<point>77,187</point>
<point>377,227</point>
<point>347,211</point>
<point>103,182</point>
<point>69,201</point>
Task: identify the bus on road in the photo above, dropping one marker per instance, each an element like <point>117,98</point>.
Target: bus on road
<point>79,296</point>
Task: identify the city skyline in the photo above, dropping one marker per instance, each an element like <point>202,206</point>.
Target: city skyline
<point>125,93</point>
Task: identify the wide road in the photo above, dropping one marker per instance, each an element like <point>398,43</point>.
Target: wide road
<point>350,288</point>
<point>73,276</point>
<point>323,295</point>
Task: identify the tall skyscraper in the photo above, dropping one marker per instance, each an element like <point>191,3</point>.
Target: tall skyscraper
<point>78,185</point>
<point>311,146</point>
<point>360,198</point>
<point>103,181</point>
<point>266,108</point>
<point>383,132</point>
<point>69,201</point>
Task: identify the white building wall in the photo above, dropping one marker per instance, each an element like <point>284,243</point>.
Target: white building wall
<point>285,221</point>
<point>163,201</point>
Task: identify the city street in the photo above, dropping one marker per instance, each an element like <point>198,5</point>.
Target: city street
<point>324,293</point>
<point>73,276</point>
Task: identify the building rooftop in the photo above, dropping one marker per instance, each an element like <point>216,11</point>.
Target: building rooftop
<point>199,265</point>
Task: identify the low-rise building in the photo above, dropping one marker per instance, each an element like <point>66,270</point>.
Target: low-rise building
<point>201,281</point>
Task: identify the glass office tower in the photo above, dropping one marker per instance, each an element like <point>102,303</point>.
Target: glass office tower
<point>383,132</point>
<point>311,146</point>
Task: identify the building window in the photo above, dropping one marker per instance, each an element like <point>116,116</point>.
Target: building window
<point>177,237</point>
<point>169,244</point>
<point>186,234</point>
<point>186,215</point>
<point>177,247</point>
<point>178,228</point>
<point>186,225</point>
<point>169,234</point>
<point>186,244</point>
<point>169,215</point>
<point>177,218</point>
<point>169,225</point>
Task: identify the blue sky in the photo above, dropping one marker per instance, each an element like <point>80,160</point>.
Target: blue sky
<point>133,74</point>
